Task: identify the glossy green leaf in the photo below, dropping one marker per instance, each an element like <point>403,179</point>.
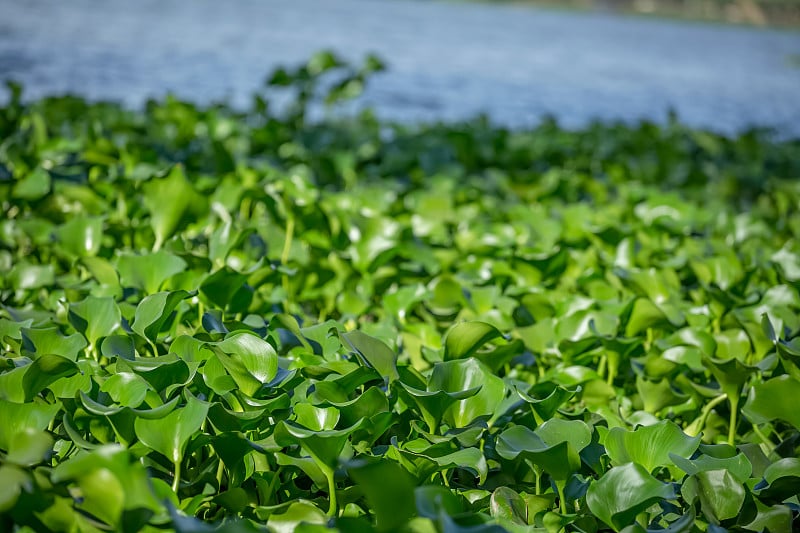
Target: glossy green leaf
<point>126,388</point>
<point>81,236</point>
<point>46,341</point>
<point>323,446</point>
<point>154,311</point>
<point>623,492</point>
<point>466,338</point>
<point>721,495</point>
<point>463,375</point>
<point>559,459</point>
<point>251,362</point>
<point>46,370</point>
<point>169,435</point>
<point>95,317</point>
<point>148,272</point>
<point>506,504</point>
<point>374,352</point>
<point>649,446</point>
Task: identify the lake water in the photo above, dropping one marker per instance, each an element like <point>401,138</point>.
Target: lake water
<point>446,60</point>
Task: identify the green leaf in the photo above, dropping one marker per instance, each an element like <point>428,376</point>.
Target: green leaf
<point>316,418</point>
<point>170,201</point>
<point>24,276</point>
<point>126,389</point>
<point>297,513</point>
<point>15,480</point>
<point>773,400</point>
<point>170,434</point>
<point>222,286</point>
<point>738,466</point>
<point>389,491</point>
<point>376,354</point>
<point>22,417</point>
<point>148,272</point>
<point>783,480</point>
<point>154,311</point>
<point>33,186</point>
<point>649,446</point>
<point>721,495</point>
<point>466,338</point>
<point>464,375</point>
<point>560,459</point>
<point>46,370</point>
<point>95,317</point>
<point>323,446</point>
<point>81,236</point>
<point>433,404</point>
<point>45,341</point>
<point>29,447</point>
<point>544,408</point>
<point>623,492</point>
<point>251,361</point>
<point>506,504</point>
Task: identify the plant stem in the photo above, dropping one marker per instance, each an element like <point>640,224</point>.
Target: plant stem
<point>220,472</point>
<point>562,499</point>
<point>734,412</point>
<point>613,367</point>
<point>764,438</point>
<point>700,422</point>
<point>176,480</point>
<point>287,248</point>
<point>601,366</point>
<point>332,509</point>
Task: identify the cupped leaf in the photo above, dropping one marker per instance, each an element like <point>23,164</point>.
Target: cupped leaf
<point>154,311</point>
<point>323,446</point>
<point>374,352</point>
<point>507,504</point>
<point>544,408</point>
<point>170,435</point>
<point>623,492</point>
<point>252,362</point>
<point>649,446</point>
<point>433,404</point>
<point>45,371</point>
<point>466,338</point>
<point>738,466</point>
<point>148,272</point>
<point>559,460</point>
<point>126,388</point>
<point>95,317</point>
<point>782,479</point>
<point>462,375</point>
<point>45,341</point>
<point>720,494</point>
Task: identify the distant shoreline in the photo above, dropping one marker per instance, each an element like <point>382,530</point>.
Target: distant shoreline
<point>760,13</point>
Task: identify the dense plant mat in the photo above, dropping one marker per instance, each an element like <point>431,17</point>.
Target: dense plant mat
<point>251,321</point>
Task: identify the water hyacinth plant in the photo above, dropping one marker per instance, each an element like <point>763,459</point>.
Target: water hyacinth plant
<point>224,320</point>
